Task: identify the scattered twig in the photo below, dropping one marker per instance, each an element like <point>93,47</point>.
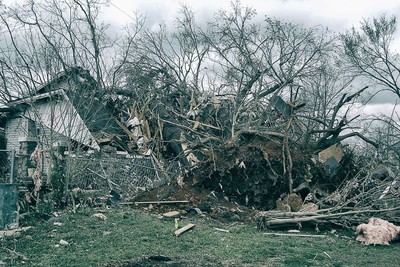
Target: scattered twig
<point>327,255</point>
<point>23,257</point>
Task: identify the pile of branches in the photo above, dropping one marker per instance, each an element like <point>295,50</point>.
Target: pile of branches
<point>347,219</point>
<point>370,193</point>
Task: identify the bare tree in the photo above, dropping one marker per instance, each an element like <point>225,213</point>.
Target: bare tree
<point>164,62</point>
<point>369,50</point>
<point>207,90</point>
<point>231,71</point>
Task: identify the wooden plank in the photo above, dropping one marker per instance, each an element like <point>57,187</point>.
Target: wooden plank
<point>104,140</point>
<point>184,229</point>
<point>221,230</point>
<point>159,202</point>
<point>298,235</point>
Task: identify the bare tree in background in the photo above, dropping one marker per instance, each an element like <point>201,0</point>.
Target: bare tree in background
<point>370,51</point>
<point>163,62</point>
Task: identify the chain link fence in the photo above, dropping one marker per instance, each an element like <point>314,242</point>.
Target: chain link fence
<point>131,175</point>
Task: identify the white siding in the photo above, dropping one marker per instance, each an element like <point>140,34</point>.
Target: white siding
<point>16,130</point>
<point>62,118</point>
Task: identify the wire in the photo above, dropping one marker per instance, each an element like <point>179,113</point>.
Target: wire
<point>122,10</point>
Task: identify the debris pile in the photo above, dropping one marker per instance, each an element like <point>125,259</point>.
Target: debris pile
<point>266,153</point>
<point>265,161</point>
<point>353,202</point>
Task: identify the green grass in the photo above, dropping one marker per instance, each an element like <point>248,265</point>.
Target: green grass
<point>129,235</point>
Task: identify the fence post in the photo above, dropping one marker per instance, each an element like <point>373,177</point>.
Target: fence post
<point>12,166</point>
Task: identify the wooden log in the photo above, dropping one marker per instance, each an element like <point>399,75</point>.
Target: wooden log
<point>297,235</point>
<point>276,214</point>
<point>184,229</point>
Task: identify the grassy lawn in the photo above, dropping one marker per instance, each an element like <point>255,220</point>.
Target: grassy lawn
<point>127,237</point>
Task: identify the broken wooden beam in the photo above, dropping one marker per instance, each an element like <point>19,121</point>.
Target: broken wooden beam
<point>184,229</point>
<point>125,129</point>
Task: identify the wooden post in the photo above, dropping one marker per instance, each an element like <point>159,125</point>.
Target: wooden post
<point>12,166</point>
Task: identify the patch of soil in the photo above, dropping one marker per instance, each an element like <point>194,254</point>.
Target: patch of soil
<point>210,203</point>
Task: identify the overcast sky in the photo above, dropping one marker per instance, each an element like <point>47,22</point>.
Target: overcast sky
<point>335,14</point>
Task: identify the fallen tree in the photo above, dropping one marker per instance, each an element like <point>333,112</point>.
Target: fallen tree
<point>238,109</point>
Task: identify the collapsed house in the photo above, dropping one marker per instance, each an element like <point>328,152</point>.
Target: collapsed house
<point>67,113</point>
<point>64,110</point>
